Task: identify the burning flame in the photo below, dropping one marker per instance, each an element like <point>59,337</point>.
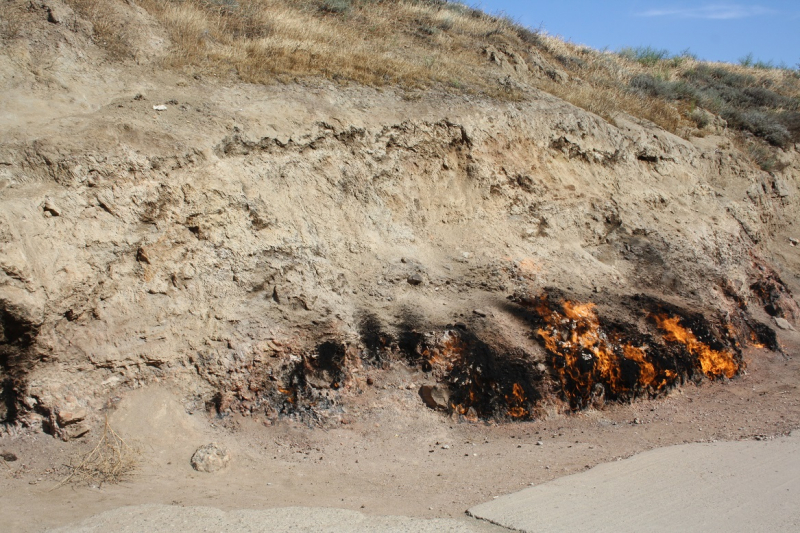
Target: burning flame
<point>469,413</point>
<point>289,393</point>
<point>584,355</point>
<point>647,372</point>
<point>713,363</point>
<point>451,350</point>
<point>516,402</point>
<point>466,408</point>
<point>755,342</point>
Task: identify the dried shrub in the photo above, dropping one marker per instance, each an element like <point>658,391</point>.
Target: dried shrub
<point>700,117</point>
<point>372,42</point>
<point>608,102</point>
<point>646,55</point>
<point>764,157</point>
<point>112,460</point>
<point>743,100</point>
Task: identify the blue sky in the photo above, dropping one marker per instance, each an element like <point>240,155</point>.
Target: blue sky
<point>715,31</point>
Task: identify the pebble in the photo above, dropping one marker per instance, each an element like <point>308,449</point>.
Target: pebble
<point>160,107</point>
<point>414,279</point>
<point>539,443</point>
<point>479,312</point>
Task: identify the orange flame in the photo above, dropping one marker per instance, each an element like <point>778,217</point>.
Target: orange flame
<point>647,372</point>
<point>289,393</point>
<point>469,413</point>
<point>713,363</point>
<point>586,356</point>
<point>754,342</point>
<point>452,349</point>
<point>516,402</point>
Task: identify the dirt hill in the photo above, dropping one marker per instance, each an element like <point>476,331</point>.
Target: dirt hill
<point>186,198</point>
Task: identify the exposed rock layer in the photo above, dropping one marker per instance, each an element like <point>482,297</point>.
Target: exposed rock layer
<point>257,245</point>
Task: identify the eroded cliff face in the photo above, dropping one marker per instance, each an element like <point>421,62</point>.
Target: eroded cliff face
<point>259,247</point>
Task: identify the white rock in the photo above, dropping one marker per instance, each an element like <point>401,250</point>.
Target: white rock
<point>211,458</point>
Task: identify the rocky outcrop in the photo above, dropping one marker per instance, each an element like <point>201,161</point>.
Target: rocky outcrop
<point>262,246</point>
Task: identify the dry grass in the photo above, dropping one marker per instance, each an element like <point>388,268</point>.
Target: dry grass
<point>112,460</point>
<point>424,43</point>
<point>414,44</point>
<point>610,101</point>
<point>677,92</point>
<point>109,28</point>
<point>10,21</point>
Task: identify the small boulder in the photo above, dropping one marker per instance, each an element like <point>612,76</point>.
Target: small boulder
<point>8,457</point>
<point>415,279</point>
<point>68,417</point>
<point>435,397</point>
<point>211,458</point>
<point>783,323</point>
<point>50,208</point>
<point>74,431</point>
<point>142,256</point>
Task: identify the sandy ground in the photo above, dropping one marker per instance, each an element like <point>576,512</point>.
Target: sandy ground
<point>395,458</point>
<point>722,486</point>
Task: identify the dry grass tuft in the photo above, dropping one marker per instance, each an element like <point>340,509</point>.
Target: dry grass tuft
<point>109,28</point>
<point>112,460</point>
<point>11,21</point>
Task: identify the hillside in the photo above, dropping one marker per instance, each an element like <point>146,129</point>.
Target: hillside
<point>396,215</point>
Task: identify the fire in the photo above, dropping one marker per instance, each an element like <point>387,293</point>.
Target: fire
<point>469,413</point>
<point>713,363</point>
<point>516,401</point>
<point>578,311</point>
<point>451,350</point>
<point>755,342</point>
<point>289,393</point>
<point>467,407</point>
<point>588,360</point>
<point>647,372</point>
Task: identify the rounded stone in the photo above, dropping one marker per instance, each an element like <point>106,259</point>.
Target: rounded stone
<point>211,458</point>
